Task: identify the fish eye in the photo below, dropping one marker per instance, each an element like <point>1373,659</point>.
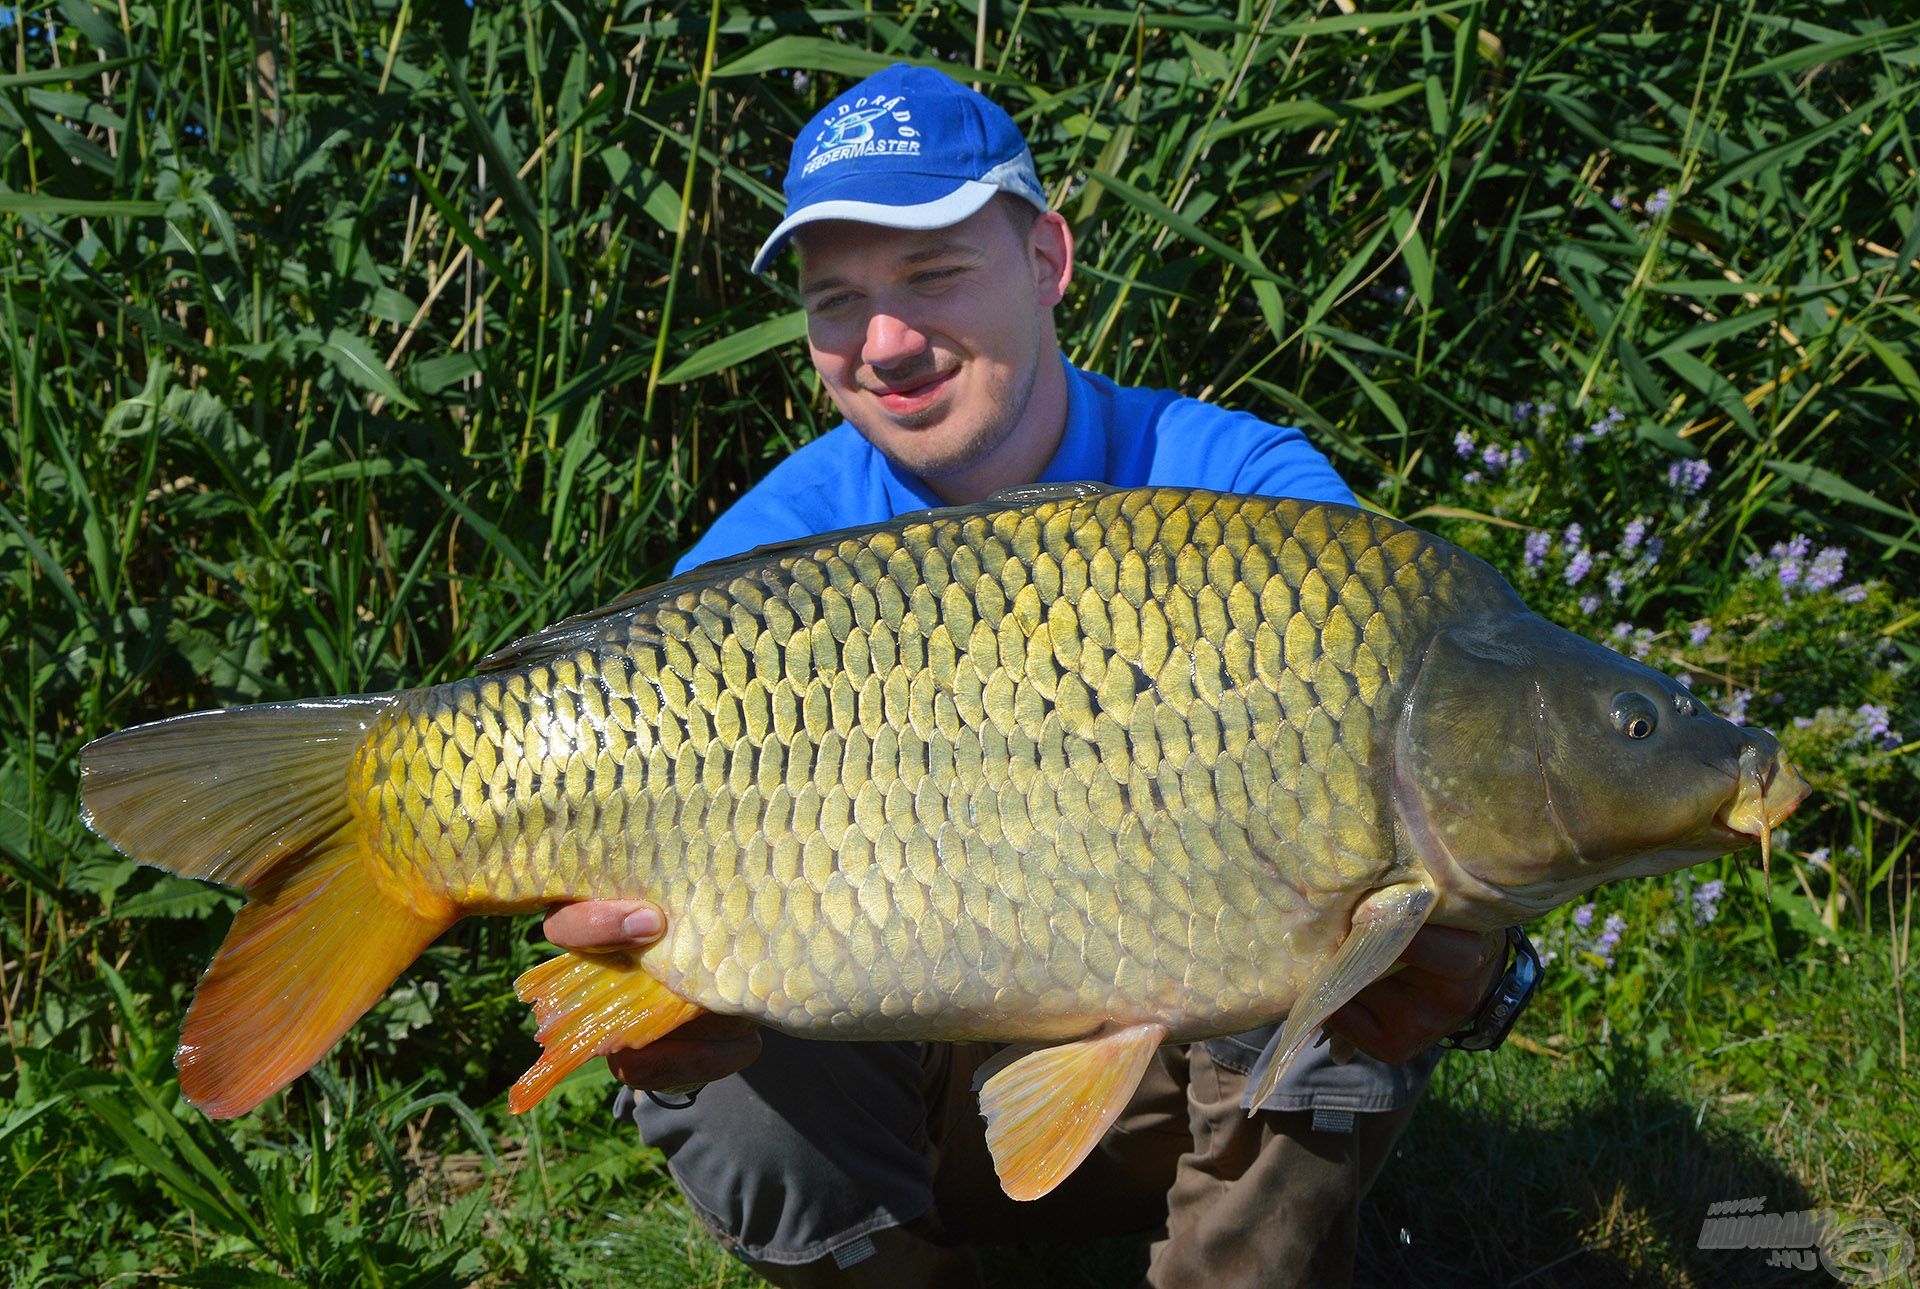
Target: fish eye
<point>1634,715</point>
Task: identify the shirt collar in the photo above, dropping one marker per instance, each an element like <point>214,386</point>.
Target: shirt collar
<point>1082,453</point>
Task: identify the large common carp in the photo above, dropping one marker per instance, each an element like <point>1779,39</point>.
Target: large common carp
<point>1082,768</point>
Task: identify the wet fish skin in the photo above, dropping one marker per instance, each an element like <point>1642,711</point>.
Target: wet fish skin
<point>1075,766</point>
<point>991,774</point>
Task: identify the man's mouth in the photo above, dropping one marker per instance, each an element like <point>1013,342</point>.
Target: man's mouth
<point>913,394</point>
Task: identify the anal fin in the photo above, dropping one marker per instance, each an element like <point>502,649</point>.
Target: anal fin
<point>1383,924</point>
<point>586,1006</point>
<point>1047,1110</point>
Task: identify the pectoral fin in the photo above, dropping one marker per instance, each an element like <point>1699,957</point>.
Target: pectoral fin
<point>1382,926</point>
<point>589,1004</point>
<point>1047,1110</point>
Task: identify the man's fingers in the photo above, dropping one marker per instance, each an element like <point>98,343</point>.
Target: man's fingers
<point>604,924</point>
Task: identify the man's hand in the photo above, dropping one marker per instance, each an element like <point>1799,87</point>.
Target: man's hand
<point>706,1048</point>
<point>1445,973</point>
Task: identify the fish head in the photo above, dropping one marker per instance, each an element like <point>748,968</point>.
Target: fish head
<point>1531,765</point>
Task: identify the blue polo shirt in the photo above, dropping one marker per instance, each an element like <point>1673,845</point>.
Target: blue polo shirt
<point>1122,435</point>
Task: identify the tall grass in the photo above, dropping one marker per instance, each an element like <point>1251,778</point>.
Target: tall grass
<point>343,342</point>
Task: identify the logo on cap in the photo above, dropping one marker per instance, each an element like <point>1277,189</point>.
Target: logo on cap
<point>850,132</point>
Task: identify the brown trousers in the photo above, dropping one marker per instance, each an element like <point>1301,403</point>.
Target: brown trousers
<point>1265,1201</point>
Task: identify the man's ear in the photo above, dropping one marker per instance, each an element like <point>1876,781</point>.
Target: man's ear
<point>1050,247</point>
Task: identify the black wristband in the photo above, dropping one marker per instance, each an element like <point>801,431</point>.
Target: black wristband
<point>1504,1002</point>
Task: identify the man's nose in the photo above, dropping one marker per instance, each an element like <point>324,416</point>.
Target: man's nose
<point>892,340</point>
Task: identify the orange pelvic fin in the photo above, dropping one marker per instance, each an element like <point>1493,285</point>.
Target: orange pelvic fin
<point>1047,1111</point>
<point>304,959</point>
<point>586,1006</point>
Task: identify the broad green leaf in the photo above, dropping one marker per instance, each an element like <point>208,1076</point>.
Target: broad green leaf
<point>1834,50</point>
<point>818,54</point>
<point>1164,214</point>
<point>738,347</point>
<point>36,203</point>
<point>355,359</point>
<point>1831,485</point>
<point>1336,24</point>
<point>61,75</point>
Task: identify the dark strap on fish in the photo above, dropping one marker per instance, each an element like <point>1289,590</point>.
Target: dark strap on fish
<point>1503,1004</point>
<point>674,1098</point>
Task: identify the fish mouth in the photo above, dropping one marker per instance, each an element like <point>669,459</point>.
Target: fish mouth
<point>1769,789</point>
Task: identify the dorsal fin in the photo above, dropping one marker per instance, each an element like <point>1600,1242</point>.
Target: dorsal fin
<point>570,635</point>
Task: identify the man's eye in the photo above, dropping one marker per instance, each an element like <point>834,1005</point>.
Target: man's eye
<point>935,276</point>
<point>826,304</point>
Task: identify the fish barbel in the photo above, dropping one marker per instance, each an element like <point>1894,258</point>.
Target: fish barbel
<point>1090,769</point>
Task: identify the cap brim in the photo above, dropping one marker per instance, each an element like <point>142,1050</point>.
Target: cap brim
<point>943,212</point>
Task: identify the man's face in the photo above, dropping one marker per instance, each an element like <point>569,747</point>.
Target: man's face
<point>930,341</point>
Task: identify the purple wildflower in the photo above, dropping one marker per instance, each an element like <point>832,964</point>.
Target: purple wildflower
<point>1578,567</point>
<point>1616,582</point>
<point>1638,642</point>
<point>1576,443</point>
<point>1583,916</point>
<point>1855,593</point>
<point>1658,203</point>
<point>1522,410</point>
<point>1636,532</point>
<point>1517,456</point>
<point>800,82</point>
<point>1463,443</point>
<point>1872,720</point>
<point>1493,458</point>
<point>1828,567</point>
<point>1589,605</point>
<point>1706,901</point>
<point>1617,202</point>
<point>1737,705</point>
<point>1821,858</point>
<point>1610,933</point>
<point>1656,546</point>
<point>1698,635</point>
<point>1574,535</point>
<point>1537,543</point>
<point>1471,476</point>
<point>1688,477</point>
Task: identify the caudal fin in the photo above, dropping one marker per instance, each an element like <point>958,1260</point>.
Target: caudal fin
<point>257,797</point>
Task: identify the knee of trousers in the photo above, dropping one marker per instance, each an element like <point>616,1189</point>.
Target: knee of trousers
<point>808,1149</point>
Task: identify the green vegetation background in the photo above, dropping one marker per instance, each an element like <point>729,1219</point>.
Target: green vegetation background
<point>344,341</point>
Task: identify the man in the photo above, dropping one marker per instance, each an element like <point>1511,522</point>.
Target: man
<point>930,267</point>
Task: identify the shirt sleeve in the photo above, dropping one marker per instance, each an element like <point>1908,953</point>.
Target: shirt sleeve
<point>1203,446</point>
<point>821,486</point>
<point>1286,464</point>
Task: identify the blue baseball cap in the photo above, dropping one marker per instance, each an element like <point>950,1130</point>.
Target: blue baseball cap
<point>908,147</point>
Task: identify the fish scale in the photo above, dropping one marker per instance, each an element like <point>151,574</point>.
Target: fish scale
<point>984,764</point>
